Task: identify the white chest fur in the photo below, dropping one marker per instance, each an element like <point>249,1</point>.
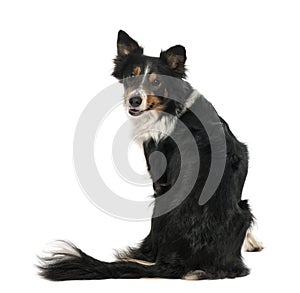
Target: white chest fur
<point>158,126</point>
<point>152,125</point>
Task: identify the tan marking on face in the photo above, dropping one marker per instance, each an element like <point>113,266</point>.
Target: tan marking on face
<point>152,77</point>
<point>154,103</point>
<point>137,70</point>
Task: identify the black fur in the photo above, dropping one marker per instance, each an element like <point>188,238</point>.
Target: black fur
<point>206,239</point>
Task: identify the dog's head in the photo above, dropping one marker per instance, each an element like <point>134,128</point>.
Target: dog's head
<point>150,83</point>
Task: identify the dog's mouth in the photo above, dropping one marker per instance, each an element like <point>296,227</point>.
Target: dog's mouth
<point>135,112</point>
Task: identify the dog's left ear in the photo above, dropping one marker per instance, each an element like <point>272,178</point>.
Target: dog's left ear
<point>175,58</point>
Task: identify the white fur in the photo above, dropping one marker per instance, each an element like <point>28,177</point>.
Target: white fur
<point>151,125</point>
<point>251,243</point>
<point>147,70</point>
<point>191,99</point>
<point>58,250</point>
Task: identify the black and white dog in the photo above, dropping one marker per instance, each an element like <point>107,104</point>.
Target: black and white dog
<point>187,240</point>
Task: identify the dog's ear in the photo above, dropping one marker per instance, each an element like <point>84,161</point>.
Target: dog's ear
<point>126,45</point>
<point>175,58</point>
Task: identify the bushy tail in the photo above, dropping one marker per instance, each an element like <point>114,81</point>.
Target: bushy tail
<point>70,263</point>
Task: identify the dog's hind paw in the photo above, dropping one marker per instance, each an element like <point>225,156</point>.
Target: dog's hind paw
<point>251,244</point>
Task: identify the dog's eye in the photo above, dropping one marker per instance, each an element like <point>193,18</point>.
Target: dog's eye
<point>156,82</point>
<point>132,74</point>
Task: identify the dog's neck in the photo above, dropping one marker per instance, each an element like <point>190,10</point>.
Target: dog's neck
<point>158,126</point>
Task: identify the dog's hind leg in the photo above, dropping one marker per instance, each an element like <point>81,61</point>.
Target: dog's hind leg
<point>251,244</point>
<point>143,254</point>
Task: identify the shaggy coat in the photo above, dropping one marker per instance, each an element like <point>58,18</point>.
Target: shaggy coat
<point>190,241</point>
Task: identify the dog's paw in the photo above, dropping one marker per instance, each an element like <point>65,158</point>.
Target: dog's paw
<point>196,275</point>
<point>251,244</point>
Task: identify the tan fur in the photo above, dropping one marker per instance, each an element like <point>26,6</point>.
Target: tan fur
<point>152,77</point>
<point>137,70</point>
<point>142,262</point>
<point>193,275</point>
<point>155,103</point>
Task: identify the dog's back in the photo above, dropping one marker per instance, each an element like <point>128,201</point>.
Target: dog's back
<point>199,220</point>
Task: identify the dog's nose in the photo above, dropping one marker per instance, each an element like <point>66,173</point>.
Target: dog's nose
<point>135,101</point>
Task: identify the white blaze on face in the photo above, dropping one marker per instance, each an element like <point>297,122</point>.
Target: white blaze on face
<point>147,70</point>
<point>139,92</point>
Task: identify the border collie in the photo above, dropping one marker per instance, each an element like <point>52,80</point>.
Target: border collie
<point>188,239</point>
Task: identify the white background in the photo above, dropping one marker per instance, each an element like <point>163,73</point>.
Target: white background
<point>55,56</point>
